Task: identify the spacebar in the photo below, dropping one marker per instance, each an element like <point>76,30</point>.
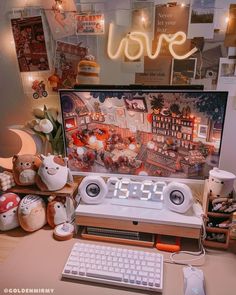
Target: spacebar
<point>104,275</point>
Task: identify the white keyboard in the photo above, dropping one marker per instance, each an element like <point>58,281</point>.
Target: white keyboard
<point>116,266</point>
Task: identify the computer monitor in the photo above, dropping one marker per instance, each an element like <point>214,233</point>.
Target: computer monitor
<point>142,131</point>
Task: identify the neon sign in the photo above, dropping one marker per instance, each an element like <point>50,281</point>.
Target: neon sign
<point>143,43</point>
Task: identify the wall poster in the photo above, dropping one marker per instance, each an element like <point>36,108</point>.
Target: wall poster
<point>168,21</point>
<point>30,44</point>
<point>60,15</point>
<point>87,24</point>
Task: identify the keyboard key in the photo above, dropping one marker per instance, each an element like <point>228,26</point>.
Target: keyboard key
<point>104,275</point>
<point>138,280</point>
<point>126,278</point>
<point>144,281</point>
<point>150,282</point>
<point>132,279</point>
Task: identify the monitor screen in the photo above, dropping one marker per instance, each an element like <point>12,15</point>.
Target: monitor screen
<point>142,131</point>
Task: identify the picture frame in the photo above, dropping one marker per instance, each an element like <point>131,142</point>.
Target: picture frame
<point>70,123</point>
<point>137,104</point>
<point>202,131</point>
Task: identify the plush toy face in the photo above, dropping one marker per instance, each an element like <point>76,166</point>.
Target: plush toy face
<point>32,213</point>
<point>60,210</point>
<point>56,213</point>
<point>53,173</point>
<point>8,211</point>
<point>25,168</point>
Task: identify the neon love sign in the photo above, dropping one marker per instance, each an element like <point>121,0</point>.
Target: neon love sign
<point>142,41</point>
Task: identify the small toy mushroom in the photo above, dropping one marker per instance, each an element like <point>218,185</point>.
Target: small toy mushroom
<point>8,211</point>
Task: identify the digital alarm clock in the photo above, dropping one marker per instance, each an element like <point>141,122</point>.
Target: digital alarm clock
<point>126,188</point>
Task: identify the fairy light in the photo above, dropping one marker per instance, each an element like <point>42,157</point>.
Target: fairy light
<point>60,6</point>
<point>142,41</point>
<point>226,19</point>
<point>30,78</point>
<point>182,4</point>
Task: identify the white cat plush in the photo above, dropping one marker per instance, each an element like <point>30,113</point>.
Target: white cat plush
<point>8,211</point>
<point>53,173</point>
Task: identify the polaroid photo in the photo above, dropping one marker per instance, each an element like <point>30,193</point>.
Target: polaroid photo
<point>227,76</point>
<point>201,20</point>
<point>183,71</point>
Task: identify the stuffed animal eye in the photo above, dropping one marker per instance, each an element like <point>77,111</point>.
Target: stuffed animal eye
<point>57,168</point>
<point>222,182</point>
<point>58,206</point>
<point>33,162</point>
<point>46,168</point>
<point>65,206</point>
<point>4,216</point>
<point>21,163</point>
<point>212,179</point>
<point>14,211</point>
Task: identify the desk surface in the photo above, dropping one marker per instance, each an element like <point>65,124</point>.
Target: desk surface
<point>38,260</point>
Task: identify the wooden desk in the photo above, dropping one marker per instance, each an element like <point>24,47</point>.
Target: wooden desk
<point>38,260</point>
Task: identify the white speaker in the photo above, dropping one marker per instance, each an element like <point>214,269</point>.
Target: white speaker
<point>178,197</point>
<point>93,189</point>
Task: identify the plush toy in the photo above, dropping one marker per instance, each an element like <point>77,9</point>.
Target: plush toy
<point>88,71</point>
<point>60,210</point>
<point>8,211</point>
<point>32,213</point>
<point>53,173</point>
<point>25,168</point>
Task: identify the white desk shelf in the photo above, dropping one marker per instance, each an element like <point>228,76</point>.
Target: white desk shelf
<point>165,222</point>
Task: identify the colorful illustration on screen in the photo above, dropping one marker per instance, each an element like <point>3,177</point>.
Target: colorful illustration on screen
<point>169,134</point>
<point>30,44</point>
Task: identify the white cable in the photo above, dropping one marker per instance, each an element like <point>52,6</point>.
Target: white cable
<point>200,254</point>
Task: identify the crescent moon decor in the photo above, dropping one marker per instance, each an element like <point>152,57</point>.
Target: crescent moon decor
<point>28,146</point>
